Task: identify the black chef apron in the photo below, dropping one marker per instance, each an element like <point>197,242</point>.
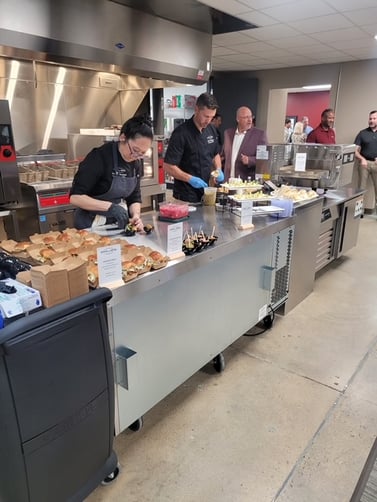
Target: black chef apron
<point>122,186</point>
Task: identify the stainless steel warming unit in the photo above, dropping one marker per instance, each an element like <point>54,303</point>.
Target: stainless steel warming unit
<point>325,230</point>
<point>308,164</point>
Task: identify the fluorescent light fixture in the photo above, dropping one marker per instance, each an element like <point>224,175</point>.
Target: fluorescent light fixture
<point>317,87</point>
<point>14,69</point>
<point>54,107</point>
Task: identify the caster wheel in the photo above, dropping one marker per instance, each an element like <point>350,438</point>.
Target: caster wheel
<point>137,425</point>
<point>219,363</point>
<point>111,477</point>
<point>268,321</point>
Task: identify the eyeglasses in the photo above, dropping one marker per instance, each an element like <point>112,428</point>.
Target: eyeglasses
<point>135,153</point>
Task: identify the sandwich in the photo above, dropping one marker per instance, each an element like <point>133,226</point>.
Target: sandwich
<point>129,271</point>
<point>21,246</point>
<point>158,260</point>
<point>143,263</point>
<point>93,275</point>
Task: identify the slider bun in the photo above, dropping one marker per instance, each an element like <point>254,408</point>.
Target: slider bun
<point>21,246</point>
<point>129,266</point>
<point>64,237</point>
<point>49,239</point>
<point>156,256</point>
<point>47,253</point>
<point>139,259</point>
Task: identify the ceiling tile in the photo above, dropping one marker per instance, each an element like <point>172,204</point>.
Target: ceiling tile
<point>222,51</point>
<point>362,16</point>
<point>323,23</point>
<point>338,35</point>
<point>252,47</point>
<point>345,5</point>
<point>315,49</point>
<point>367,43</point>
<point>264,4</point>
<point>228,39</point>
<point>257,18</point>
<point>273,32</point>
<point>299,41</point>
<point>301,9</point>
<point>370,28</point>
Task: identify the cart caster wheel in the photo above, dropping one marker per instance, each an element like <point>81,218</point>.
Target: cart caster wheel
<point>219,363</point>
<point>111,477</point>
<point>137,425</point>
<point>268,321</point>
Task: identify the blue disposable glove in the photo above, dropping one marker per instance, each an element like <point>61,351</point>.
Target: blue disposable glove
<point>220,176</point>
<point>197,182</point>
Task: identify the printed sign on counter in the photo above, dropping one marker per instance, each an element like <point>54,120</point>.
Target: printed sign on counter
<point>300,162</point>
<point>262,152</point>
<point>246,213</point>
<point>109,266</point>
<point>175,238</point>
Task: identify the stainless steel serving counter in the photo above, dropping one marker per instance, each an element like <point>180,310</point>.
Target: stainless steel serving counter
<point>230,240</point>
<point>324,230</point>
<point>167,324</point>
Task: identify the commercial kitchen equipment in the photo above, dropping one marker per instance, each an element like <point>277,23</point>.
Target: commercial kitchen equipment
<point>57,421</point>
<point>9,182</point>
<point>308,164</point>
<point>44,204</point>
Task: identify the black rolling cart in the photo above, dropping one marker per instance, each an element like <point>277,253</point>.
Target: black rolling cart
<point>57,403</point>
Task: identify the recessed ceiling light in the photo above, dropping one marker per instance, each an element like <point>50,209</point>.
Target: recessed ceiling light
<point>375,36</point>
<point>317,87</point>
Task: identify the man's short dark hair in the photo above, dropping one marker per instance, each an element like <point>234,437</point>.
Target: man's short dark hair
<point>326,111</point>
<point>373,111</point>
<point>207,100</point>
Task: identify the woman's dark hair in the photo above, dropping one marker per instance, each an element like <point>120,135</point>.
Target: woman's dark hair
<point>137,126</point>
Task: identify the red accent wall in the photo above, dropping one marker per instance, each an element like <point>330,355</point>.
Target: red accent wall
<point>310,104</point>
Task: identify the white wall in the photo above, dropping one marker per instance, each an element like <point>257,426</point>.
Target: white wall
<point>353,93</point>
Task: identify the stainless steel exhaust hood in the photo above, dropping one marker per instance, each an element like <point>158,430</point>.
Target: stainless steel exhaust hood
<point>104,35</point>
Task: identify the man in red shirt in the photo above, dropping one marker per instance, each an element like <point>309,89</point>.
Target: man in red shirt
<point>324,133</point>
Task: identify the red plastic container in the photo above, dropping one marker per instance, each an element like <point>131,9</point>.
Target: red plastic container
<point>174,211</point>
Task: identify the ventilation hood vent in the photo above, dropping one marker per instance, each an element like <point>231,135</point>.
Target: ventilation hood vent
<point>129,42</point>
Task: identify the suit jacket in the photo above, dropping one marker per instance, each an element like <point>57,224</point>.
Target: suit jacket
<point>252,138</point>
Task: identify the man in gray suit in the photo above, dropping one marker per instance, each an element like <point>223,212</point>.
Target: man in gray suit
<point>240,146</point>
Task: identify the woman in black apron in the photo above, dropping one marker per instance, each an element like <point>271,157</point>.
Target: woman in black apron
<point>107,182</point>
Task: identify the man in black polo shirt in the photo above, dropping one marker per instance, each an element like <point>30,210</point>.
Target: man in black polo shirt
<point>193,152</point>
<point>366,152</point>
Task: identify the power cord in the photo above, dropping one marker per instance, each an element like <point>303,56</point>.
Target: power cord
<point>266,321</point>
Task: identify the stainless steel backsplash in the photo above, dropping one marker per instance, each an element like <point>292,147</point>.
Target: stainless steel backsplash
<point>88,99</point>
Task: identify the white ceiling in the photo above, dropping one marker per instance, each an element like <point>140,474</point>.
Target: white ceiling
<point>295,33</point>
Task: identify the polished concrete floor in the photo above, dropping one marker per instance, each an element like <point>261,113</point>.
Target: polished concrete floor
<point>291,419</point>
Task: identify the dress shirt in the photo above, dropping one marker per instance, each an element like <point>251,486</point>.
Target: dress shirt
<point>238,138</point>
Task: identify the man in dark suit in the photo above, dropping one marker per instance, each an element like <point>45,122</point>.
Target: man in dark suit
<point>240,146</point>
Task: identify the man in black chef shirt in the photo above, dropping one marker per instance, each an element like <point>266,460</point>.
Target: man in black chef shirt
<point>366,152</point>
<point>193,152</point>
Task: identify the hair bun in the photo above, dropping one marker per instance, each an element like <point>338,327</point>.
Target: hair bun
<point>143,120</point>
